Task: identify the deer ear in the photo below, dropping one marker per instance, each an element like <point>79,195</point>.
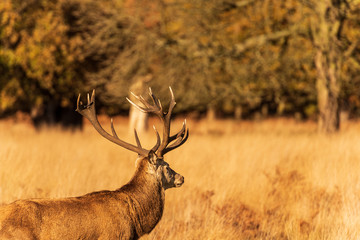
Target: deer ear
<point>137,162</point>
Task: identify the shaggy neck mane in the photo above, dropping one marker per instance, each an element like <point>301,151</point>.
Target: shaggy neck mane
<point>146,198</point>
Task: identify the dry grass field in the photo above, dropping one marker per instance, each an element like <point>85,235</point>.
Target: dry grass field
<point>274,179</point>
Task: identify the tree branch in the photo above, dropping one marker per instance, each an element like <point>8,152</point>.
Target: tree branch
<point>263,39</point>
<point>237,4</point>
<point>243,3</point>
<point>351,48</point>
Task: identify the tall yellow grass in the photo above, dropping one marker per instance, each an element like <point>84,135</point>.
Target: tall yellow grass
<point>275,179</point>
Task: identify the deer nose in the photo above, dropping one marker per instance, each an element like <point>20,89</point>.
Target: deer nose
<point>179,180</point>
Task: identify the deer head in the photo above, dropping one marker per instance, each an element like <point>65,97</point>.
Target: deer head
<point>154,157</point>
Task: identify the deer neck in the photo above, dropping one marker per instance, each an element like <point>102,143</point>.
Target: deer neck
<point>146,198</point>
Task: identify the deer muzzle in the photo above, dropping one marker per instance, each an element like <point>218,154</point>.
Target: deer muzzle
<point>179,180</point>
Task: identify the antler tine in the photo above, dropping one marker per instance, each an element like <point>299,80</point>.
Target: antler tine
<point>180,137</point>
<point>181,132</point>
<point>93,96</point>
<point>166,119</point>
<point>180,141</point>
<point>141,99</point>
<point>141,109</point>
<point>148,107</point>
<point>156,146</point>
<point>137,138</point>
<point>171,107</point>
<point>157,141</point>
<point>89,112</point>
<point>78,103</point>
<point>113,129</point>
<point>156,101</point>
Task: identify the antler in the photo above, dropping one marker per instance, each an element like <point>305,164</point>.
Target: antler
<point>89,112</point>
<point>156,108</point>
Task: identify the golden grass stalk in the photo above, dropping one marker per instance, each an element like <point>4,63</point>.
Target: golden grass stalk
<point>275,179</point>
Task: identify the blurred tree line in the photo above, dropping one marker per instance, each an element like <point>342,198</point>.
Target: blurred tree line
<point>238,58</point>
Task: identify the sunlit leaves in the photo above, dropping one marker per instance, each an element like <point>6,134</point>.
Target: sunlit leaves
<point>34,41</point>
<point>223,53</point>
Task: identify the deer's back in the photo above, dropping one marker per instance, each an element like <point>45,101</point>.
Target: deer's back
<point>94,216</point>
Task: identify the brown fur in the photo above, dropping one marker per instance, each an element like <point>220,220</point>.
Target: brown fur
<point>126,213</point>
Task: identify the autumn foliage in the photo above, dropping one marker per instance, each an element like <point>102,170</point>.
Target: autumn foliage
<point>239,58</point>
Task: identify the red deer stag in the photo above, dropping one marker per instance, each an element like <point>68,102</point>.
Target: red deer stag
<point>126,213</point>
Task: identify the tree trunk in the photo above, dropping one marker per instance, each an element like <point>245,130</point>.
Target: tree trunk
<point>326,30</point>
<point>238,112</point>
<point>138,119</point>
<point>211,113</point>
<point>327,85</point>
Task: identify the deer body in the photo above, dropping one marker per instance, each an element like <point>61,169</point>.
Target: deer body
<point>126,213</point>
